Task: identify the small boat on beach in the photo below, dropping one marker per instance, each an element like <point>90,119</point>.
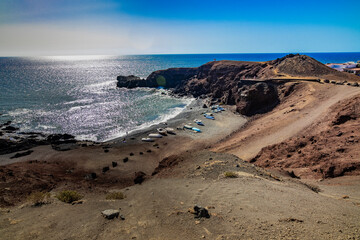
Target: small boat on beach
<point>147,140</point>
<point>199,122</point>
<point>196,129</point>
<point>188,127</point>
<point>209,117</point>
<point>170,131</point>
<point>162,131</point>
<point>155,135</point>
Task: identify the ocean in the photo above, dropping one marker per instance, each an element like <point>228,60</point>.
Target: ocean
<point>78,94</point>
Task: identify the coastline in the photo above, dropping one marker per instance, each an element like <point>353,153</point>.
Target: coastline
<point>257,176</point>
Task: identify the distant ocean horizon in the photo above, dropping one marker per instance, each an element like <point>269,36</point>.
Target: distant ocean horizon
<point>78,94</point>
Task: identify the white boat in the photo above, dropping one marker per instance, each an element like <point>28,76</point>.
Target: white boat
<point>170,130</point>
<point>155,135</point>
<point>188,127</point>
<point>162,131</point>
<point>147,140</point>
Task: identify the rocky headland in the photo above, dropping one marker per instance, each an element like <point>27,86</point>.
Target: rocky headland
<point>254,87</point>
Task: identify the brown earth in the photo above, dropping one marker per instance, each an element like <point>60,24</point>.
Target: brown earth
<point>303,134</point>
<point>329,148</point>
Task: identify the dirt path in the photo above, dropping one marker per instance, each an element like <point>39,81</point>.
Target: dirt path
<point>309,103</point>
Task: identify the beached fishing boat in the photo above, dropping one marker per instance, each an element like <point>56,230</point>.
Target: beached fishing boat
<point>188,127</point>
<point>147,140</point>
<point>209,117</point>
<point>199,122</point>
<point>155,135</point>
<point>170,130</point>
<point>196,129</point>
<point>162,131</point>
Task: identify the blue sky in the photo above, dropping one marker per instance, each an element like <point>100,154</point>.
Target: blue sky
<point>66,27</point>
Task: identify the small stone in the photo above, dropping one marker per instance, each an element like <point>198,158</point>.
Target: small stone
<point>106,150</point>
<point>110,213</point>
<point>131,154</point>
<point>141,153</point>
<point>114,164</point>
<point>105,169</point>
<point>125,159</point>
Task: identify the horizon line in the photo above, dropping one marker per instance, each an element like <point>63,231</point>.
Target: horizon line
<point>152,54</point>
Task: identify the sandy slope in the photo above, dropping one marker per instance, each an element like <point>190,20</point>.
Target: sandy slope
<point>305,106</point>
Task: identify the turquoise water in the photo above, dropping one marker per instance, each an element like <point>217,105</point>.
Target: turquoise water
<point>78,95</point>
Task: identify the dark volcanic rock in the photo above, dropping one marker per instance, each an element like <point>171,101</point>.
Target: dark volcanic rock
<point>60,138</point>
<point>8,146</point>
<point>105,169</point>
<point>22,154</point>
<point>257,98</point>
<point>201,212</point>
<point>10,128</point>
<point>139,177</point>
<point>132,82</point>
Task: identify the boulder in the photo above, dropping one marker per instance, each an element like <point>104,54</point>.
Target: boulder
<point>201,212</point>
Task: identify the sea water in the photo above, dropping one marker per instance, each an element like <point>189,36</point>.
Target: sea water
<point>78,94</point>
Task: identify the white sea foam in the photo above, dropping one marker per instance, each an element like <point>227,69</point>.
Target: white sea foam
<point>101,87</point>
<point>79,101</point>
<point>86,137</point>
<point>18,112</point>
<point>46,127</point>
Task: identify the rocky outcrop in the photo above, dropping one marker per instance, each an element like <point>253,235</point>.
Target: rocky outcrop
<point>251,86</point>
<point>13,141</point>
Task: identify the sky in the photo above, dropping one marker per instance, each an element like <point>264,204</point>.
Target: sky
<point>115,27</point>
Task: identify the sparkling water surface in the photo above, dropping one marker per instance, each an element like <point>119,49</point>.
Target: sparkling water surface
<point>78,94</point>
